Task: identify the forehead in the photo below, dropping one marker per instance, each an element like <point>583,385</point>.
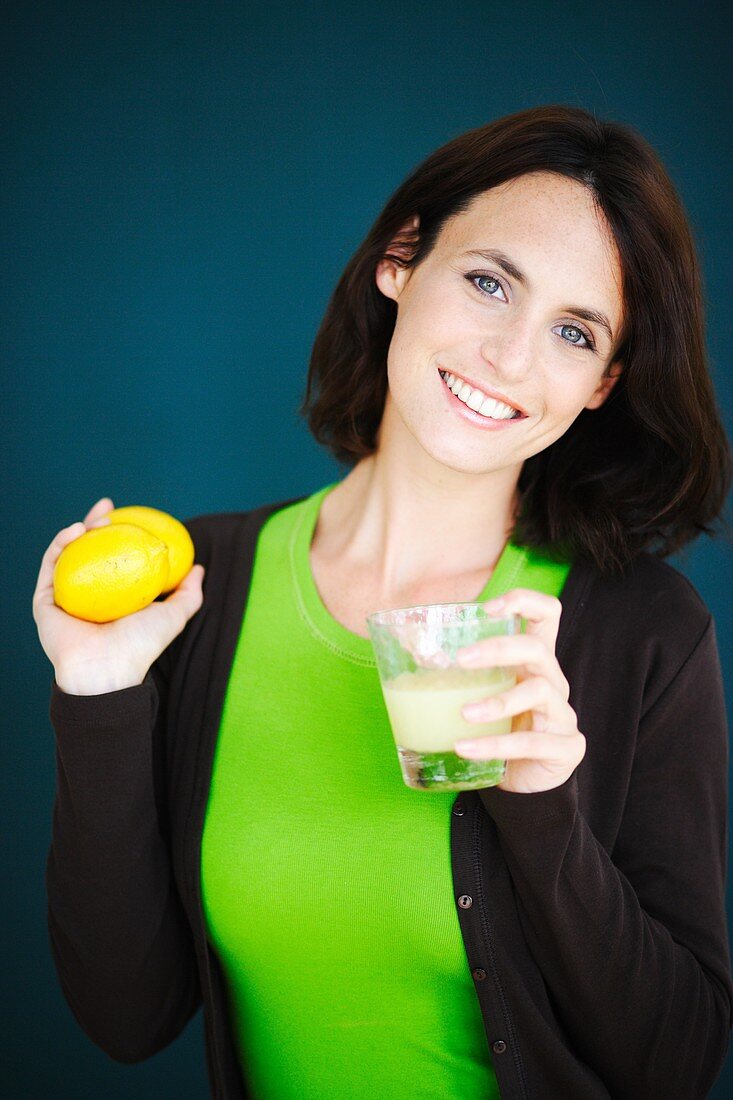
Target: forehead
<point>542,220</point>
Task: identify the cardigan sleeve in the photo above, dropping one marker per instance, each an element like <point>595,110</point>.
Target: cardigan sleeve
<point>633,945</point>
<point>120,940</point>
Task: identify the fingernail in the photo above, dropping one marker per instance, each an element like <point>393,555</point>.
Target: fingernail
<point>468,655</point>
<point>467,746</point>
<point>488,707</point>
<point>494,605</point>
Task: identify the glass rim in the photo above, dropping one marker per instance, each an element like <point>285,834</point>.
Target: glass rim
<point>377,617</point>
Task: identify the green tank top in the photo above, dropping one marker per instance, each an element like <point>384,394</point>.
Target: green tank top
<point>326,881</point>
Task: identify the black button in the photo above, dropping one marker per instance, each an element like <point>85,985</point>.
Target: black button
<point>465,901</point>
<point>479,974</point>
<point>499,1046</point>
<point>458,810</point>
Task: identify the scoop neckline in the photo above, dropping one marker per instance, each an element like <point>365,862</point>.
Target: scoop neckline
<point>327,630</point>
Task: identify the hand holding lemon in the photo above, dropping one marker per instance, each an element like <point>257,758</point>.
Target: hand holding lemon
<point>95,602</point>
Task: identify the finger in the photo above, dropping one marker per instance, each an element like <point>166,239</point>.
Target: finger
<point>184,601</point>
<point>553,749</point>
<point>537,694</point>
<point>95,517</point>
<point>43,593</point>
<point>541,611</point>
<point>531,651</point>
<point>98,510</point>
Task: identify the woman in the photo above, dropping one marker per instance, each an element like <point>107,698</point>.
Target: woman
<point>216,841</point>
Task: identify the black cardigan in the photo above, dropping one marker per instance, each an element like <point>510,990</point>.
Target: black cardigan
<point>593,914</point>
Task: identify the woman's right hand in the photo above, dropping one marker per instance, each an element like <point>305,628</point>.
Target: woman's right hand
<point>94,658</point>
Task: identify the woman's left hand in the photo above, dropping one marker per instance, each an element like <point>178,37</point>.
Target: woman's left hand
<point>547,745</point>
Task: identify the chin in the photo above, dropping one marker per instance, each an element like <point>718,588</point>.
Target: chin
<point>456,458</point>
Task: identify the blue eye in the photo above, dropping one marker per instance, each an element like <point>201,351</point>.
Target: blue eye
<point>475,277</point>
<point>588,345</point>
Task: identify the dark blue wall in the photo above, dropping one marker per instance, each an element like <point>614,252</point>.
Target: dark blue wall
<point>183,184</point>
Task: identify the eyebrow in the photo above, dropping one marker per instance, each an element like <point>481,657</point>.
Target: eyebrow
<point>494,255</point>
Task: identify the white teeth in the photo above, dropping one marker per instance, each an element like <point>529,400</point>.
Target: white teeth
<point>496,409</point>
<point>476,400</point>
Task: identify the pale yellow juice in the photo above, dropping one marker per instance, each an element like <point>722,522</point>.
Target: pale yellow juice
<point>424,709</point>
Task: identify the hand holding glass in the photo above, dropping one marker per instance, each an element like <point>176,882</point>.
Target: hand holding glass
<point>424,690</point>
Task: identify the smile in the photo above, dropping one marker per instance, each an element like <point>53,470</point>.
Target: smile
<point>485,407</point>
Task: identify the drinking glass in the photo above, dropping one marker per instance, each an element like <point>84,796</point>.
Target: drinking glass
<point>424,690</point>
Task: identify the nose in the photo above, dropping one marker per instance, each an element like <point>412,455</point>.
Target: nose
<point>509,348</point>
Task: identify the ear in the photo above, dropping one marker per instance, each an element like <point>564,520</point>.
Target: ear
<point>606,385</point>
<point>391,277</point>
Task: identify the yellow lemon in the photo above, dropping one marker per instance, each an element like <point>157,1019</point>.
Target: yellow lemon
<point>165,527</point>
<point>109,572</point>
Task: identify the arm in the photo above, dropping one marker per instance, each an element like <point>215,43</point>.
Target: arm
<point>119,936</point>
<point>634,949</point>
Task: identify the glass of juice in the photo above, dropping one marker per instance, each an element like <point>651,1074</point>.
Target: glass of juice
<point>424,690</point>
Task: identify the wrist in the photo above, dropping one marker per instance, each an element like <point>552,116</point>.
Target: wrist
<point>95,681</point>
<point>554,803</point>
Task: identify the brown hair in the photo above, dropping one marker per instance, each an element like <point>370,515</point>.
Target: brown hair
<point>651,467</point>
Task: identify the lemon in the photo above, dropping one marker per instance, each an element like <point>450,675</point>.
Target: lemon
<point>165,527</point>
<point>109,572</point>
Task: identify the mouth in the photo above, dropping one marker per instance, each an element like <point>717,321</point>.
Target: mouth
<point>484,406</point>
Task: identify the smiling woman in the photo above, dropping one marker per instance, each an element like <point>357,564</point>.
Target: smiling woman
<point>513,361</point>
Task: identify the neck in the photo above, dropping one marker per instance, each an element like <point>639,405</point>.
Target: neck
<point>406,519</point>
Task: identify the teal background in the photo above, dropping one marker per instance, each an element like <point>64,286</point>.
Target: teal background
<point>182,186</point>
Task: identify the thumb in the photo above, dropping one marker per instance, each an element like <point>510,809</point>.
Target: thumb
<point>194,579</point>
<point>188,596</point>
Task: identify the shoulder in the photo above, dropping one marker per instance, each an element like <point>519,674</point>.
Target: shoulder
<point>645,622</point>
<point>651,593</point>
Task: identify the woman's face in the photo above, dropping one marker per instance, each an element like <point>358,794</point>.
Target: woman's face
<point>525,338</point>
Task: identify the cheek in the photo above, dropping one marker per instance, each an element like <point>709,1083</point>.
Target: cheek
<point>412,351</point>
<point>411,383</point>
<point>564,401</point>
<point>560,404</point>
<point>431,321</point>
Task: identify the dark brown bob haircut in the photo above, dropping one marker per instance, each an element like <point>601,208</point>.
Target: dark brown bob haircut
<point>651,467</point>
